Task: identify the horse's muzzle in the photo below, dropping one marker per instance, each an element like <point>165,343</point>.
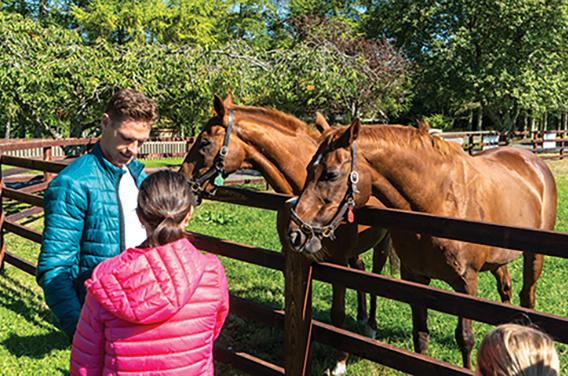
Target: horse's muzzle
<point>297,239</point>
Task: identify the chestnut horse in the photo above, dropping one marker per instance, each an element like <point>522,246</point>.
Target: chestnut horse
<point>408,169</point>
<point>280,147</point>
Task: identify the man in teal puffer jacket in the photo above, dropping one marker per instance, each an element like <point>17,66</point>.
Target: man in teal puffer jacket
<point>90,207</point>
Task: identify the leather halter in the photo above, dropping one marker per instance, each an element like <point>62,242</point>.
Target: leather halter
<point>219,166</point>
<point>347,203</point>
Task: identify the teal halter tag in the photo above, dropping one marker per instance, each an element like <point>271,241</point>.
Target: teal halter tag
<point>219,181</point>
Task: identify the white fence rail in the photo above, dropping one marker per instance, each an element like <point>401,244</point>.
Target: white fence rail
<point>150,147</point>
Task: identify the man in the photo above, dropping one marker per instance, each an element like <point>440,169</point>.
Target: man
<point>90,207</point>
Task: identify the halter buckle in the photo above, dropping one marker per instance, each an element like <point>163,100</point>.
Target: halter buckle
<point>306,229</point>
<point>195,187</point>
<point>354,177</point>
<point>350,202</point>
<point>224,151</point>
<point>327,232</point>
<point>220,165</point>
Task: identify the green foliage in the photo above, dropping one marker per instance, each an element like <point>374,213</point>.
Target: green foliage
<point>174,21</point>
<point>508,56</point>
<point>439,121</point>
<point>252,21</point>
<point>60,85</point>
<point>334,70</point>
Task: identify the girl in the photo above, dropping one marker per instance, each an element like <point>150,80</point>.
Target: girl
<point>155,309</point>
<point>516,350</point>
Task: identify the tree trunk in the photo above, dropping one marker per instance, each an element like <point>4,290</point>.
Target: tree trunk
<point>545,121</point>
<point>470,120</point>
<point>480,119</point>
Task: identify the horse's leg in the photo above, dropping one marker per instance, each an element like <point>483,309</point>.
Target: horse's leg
<point>466,284</point>
<point>380,255</point>
<point>338,320</point>
<point>356,262</point>
<point>420,332</point>
<point>503,283</point>
<point>532,268</point>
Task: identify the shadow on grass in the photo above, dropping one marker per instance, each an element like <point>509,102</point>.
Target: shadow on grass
<point>36,346</point>
<point>22,300</point>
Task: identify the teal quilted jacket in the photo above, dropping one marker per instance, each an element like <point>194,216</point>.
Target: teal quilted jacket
<point>83,226</point>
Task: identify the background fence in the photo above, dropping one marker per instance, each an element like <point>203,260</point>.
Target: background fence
<point>158,148</point>
<point>296,320</point>
<point>552,143</point>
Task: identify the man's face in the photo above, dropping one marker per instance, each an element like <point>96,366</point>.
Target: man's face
<point>121,138</point>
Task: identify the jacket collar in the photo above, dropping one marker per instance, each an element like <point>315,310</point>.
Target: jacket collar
<point>114,172</point>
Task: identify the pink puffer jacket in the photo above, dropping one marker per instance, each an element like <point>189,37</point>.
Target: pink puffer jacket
<point>152,311</point>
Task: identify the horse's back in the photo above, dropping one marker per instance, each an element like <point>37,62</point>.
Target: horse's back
<point>525,182</point>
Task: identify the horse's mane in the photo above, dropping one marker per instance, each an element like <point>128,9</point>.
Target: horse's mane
<point>278,119</point>
<point>401,135</point>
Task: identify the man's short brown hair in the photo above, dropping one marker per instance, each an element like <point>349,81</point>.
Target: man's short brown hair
<point>128,103</point>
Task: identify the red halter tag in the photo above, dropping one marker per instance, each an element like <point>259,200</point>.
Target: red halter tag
<point>350,215</point>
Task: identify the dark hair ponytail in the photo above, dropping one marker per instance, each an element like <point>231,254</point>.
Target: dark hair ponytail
<point>164,200</point>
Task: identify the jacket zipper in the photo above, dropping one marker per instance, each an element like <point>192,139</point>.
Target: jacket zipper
<point>120,216</point>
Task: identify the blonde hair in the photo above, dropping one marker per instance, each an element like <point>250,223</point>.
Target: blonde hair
<point>517,350</point>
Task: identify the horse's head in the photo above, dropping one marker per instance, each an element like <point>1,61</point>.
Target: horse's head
<point>214,152</point>
<point>335,185</point>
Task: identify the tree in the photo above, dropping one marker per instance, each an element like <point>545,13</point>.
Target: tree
<point>506,56</point>
<point>171,21</point>
<point>338,71</point>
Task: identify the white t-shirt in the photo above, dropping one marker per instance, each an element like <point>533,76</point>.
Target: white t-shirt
<point>134,232</point>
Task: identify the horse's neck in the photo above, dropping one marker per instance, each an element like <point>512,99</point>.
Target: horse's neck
<point>280,155</point>
<point>405,177</point>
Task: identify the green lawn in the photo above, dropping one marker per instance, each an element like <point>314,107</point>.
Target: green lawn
<point>29,345</point>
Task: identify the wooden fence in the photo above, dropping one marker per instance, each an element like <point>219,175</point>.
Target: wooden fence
<point>152,149</point>
<point>296,321</point>
<point>548,144</point>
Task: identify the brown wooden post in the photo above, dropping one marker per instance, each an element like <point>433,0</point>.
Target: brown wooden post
<point>470,144</point>
<point>2,244</point>
<point>47,176</point>
<point>298,317</point>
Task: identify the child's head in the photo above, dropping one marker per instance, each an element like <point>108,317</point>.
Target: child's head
<point>516,350</point>
<point>165,203</point>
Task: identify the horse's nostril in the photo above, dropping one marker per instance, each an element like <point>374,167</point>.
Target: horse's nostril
<point>296,238</point>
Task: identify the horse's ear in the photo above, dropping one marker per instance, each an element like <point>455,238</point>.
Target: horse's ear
<point>321,123</point>
<point>218,106</point>
<point>348,134</point>
<point>423,125</point>
<point>229,100</point>
<point>354,129</point>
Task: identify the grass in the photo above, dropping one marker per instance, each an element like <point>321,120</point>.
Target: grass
<point>30,345</point>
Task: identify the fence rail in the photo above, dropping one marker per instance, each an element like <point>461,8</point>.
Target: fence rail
<point>299,328</point>
<point>158,148</point>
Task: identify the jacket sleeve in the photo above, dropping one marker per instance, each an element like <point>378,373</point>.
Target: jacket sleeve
<point>65,205</point>
<point>224,309</point>
<point>88,351</point>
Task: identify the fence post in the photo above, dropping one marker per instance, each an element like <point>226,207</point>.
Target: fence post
<point>298,313</point>
<point>2,244</point>
<point>47,176</point>
<point>562,145</point>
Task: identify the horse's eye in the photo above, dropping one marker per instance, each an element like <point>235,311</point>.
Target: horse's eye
<point>205,142</point>
<point>329,176</point>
